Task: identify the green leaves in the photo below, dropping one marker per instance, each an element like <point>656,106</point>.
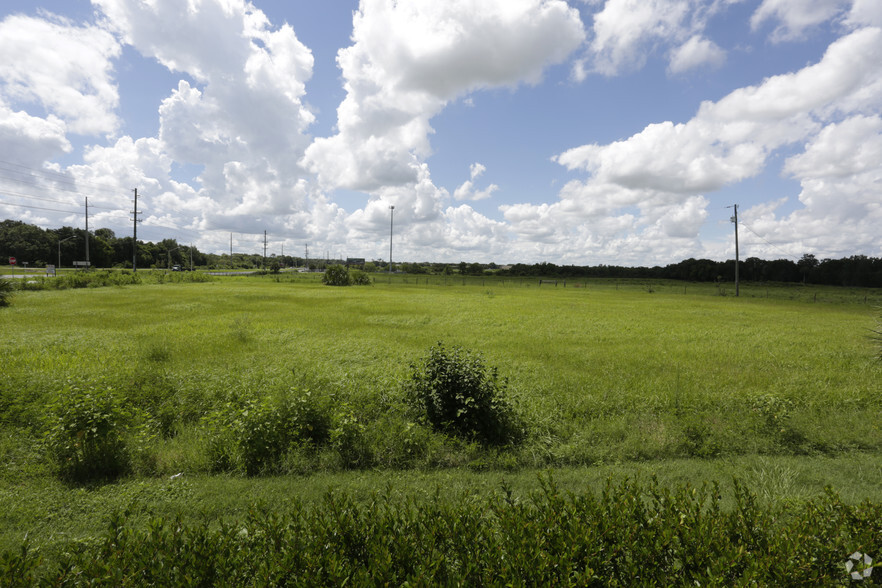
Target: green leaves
<point>627,534</point>
<point>86,434</point>
<point>7,288</point>
<point>457,394</point>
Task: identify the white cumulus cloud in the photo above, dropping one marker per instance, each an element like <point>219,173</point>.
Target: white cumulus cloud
<point>68,71</point>
<point>467,190</point>
<point>409,59</point>
<point>696,52</point>
<point>793,18</point>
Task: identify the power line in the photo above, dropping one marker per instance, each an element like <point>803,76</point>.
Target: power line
<point>59,177</point>
<point>20,195</point>
<point>764,240</point>
<point>61,188</point>
<point>39,207</point>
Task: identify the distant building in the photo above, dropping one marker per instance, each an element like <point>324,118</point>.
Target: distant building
<point>355,261</point>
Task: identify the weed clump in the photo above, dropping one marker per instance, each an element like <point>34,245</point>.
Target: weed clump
<point>255,435</point>
<point>457,394</point>
<point>6,291</point>
<point>86,435</point>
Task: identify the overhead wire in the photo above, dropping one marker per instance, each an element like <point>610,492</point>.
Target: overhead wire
<point>764,240</point>
<point>39,207</point>
<point>59,177</point>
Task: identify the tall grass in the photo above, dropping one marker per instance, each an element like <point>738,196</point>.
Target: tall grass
<point>628,534</point>
<point>599,375</point>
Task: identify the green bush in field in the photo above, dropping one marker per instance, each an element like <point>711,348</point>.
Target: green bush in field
<point>359,278</point>
<point>255,434</point>
<point>336,275</point>
<point>457,394</point>
<point>86,435</point>
<point>349,440</point>
<point>6,290</point>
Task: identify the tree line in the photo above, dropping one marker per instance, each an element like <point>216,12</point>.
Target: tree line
<point>39,247</point>
<point>854,271</point>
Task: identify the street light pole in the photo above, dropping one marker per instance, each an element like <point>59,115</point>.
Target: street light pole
<point>391,223</point>
<point>169,252</point>
<point>59,249</point>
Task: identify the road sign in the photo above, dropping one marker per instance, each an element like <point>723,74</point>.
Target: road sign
<point>11,261</point>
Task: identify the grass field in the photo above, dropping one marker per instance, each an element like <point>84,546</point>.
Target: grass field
<point>779,387</point>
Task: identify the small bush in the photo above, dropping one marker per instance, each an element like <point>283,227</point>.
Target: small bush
<point>359,278</point>
<point>6,290</point>
<point>457,394</point>
<point>336,275</point>
<point>349,440</point>
<point>255,435</point>
<point>86,435</point>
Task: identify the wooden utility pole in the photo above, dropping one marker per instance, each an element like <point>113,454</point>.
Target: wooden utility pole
<point>135,213</point>
<point>87,231</point>
<point>391,222</point>
<point>735,220</point>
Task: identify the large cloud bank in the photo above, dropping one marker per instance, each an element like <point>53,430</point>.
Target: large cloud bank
<point>240,119</point>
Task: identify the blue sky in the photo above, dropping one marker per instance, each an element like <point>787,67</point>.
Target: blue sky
<point>580,132</point>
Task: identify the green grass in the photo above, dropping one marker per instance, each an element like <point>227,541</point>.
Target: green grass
<point>779,387</point>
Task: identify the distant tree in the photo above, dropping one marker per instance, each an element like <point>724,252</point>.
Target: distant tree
<point>806,264</point>
<point>28,243</point>
<point>336,275</point>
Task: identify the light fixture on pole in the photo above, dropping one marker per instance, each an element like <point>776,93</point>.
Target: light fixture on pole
<point>391,223</point>
<point>59,249</point>
<point>169,252</point>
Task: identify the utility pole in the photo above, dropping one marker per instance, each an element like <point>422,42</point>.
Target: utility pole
<point>391,222</point>
<point>191,257</point>
<point>135,213</point>
<point>307,257</point>
<point>87,231</point>
<point>264,250</point>
<point>734,219</point>
<point>231,250</point>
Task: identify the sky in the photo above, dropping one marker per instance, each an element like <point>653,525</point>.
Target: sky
<point>587,132</point>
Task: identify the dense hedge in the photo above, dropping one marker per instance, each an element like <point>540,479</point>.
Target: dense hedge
<point>627,535</point>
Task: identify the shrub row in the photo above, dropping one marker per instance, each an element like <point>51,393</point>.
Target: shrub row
<point>627,535</point>
<point>104,278</point>
<point>94,432</point>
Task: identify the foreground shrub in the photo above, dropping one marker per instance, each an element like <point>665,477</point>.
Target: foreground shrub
<point>86,435</point>
<point>457,394</point>
<point>253,435</point>
<point>6,290</point>
<point>626,535</point>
